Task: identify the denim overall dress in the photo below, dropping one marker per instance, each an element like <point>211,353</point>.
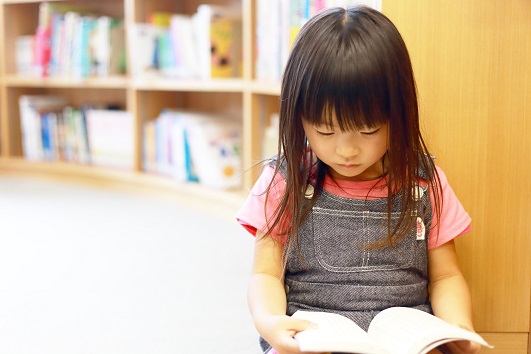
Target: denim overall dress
<point>339,273</point>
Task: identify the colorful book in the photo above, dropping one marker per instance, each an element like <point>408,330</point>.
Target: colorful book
<point>31,108</point>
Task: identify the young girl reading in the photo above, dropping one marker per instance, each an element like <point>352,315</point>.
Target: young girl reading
<point>352,217</point>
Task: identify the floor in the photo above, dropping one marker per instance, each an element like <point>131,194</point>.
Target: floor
<point>86,269</point>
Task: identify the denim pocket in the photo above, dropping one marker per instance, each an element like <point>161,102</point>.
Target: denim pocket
<point>342,239</point>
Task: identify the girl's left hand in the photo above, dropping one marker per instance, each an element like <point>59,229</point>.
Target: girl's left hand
<point>463,347</point>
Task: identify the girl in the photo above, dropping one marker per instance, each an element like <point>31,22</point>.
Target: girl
<point>353,216</point>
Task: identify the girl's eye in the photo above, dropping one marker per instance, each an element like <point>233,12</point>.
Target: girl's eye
<point>324,133</point>
<point>372,132</point>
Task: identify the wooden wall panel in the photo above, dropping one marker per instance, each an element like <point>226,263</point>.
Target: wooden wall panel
<point>472,61</point>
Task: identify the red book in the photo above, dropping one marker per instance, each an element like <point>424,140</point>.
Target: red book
<point>42,51</point>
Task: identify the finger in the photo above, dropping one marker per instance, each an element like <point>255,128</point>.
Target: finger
<point>289,345</point>
<point>464,347</point>
<point>300,325</point>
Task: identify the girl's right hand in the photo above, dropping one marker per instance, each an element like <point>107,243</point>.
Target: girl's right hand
<point>279,331</point>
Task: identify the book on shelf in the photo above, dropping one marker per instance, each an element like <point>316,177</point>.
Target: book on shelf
<point>24,55</point>
<point>46,37</point>
<point>192,146</point>
<point>142,43</point>
<point>52,130</point>
<point>160,18</point>
<point>75,146</point>
<point>396,330</point>
<point>32,108</point>
<point>207,44</point>
<point>110,138</point>
<point>277,24</point>
<point>166,146</point>
<point>81,64</point>
<point>71,41</point>
<point>218,31</point>
<point>149,149</point>
<point>215,149</point>
<point>108,46</point>
<point>184,46</point>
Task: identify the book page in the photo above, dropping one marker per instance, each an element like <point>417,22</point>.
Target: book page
<point>334,333</point>
<point>409,330</point>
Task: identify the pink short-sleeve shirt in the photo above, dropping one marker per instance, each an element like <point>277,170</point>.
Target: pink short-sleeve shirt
<point>254,214</point>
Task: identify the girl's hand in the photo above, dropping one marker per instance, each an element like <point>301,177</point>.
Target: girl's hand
<point>463,347</point>
<point>280,330</point>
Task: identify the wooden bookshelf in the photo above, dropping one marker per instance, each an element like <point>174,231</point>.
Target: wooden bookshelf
<point>144,96</point>
<point>471,61</point>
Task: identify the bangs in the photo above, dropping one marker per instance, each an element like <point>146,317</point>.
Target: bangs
<point>354,91</point>
<point>348,76</point>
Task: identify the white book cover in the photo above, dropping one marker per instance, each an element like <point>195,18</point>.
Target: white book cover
<point>141,41</point>
<point>185,46</point>
<point>395,330</point>
<point>215,148</point>
<point>111,138</point>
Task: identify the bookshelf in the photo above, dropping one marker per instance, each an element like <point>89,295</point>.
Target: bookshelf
<point>144,97</point>
<point>472,71</point>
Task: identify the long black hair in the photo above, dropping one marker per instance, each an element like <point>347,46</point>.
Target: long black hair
<point>354,63</point>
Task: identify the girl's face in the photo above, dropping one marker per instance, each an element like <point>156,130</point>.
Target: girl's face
<point>351,155</point>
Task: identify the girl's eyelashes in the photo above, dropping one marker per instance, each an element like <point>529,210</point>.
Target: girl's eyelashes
<point>372,132</point>
<point>324,133</point>
<point>330,132</point>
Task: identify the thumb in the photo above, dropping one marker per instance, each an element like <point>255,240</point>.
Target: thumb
<point>298,325</point>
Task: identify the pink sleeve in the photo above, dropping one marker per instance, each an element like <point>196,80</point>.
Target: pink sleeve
<point>454,220</point>
<point>257,210</point>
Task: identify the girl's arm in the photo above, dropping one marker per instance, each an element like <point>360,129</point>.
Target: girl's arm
<point>449,294</point>
<point>267,297</point>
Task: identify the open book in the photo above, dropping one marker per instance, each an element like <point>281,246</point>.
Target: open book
<point>397,330</point>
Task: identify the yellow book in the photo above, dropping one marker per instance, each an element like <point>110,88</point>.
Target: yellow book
<point>161,19</point>
<point>225,40</point>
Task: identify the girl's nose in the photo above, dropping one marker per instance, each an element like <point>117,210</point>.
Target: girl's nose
<point>347,145</point>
